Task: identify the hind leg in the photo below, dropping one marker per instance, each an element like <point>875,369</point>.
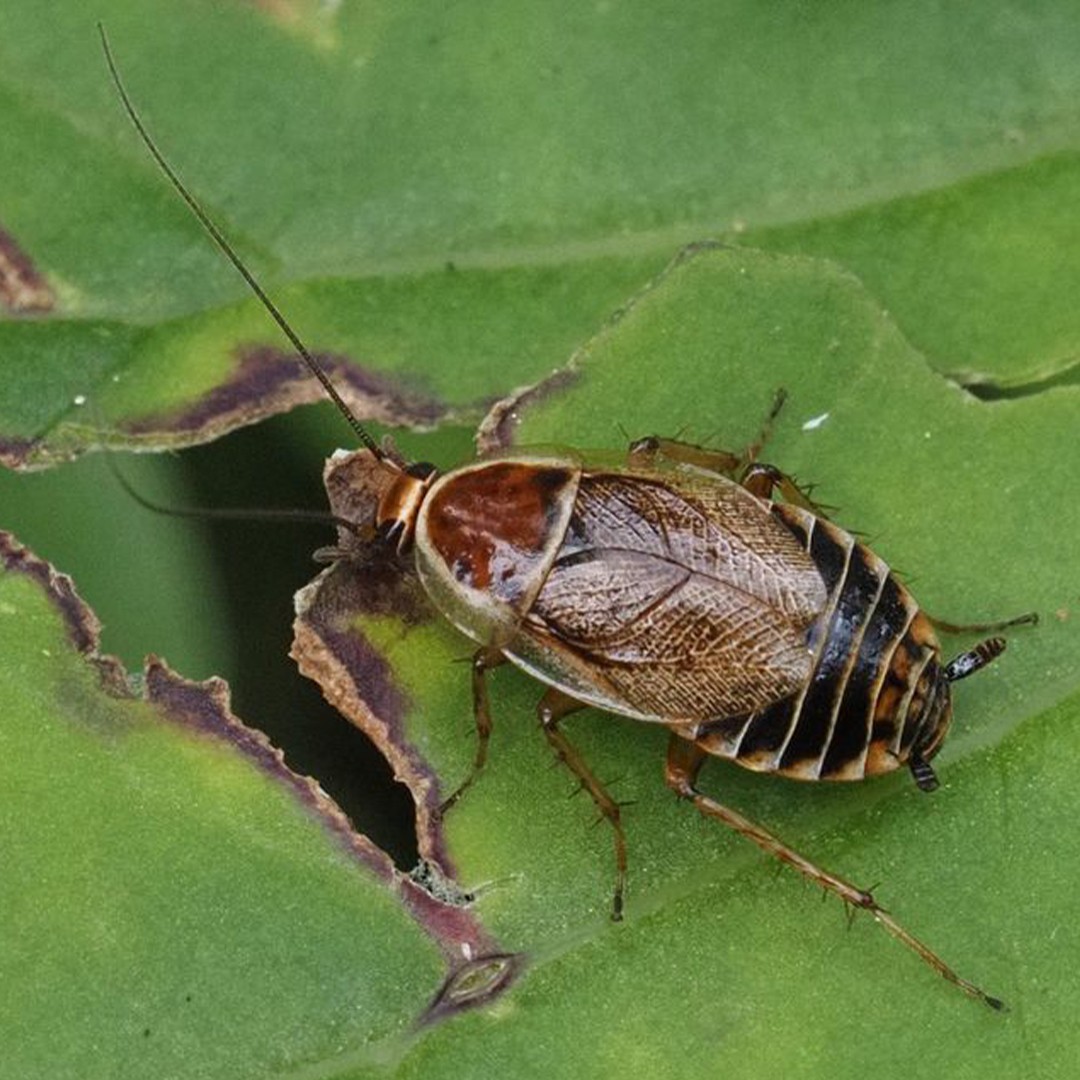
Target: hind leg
<point>684,762</point>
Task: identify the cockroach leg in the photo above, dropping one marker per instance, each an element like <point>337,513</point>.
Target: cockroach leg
<point>750,454</point>
<point>765,480</point>
<point>684,762</point>
<point>553,707</point>
<point>759,479</point>
<point>645,452</point>
<point>483,661</point>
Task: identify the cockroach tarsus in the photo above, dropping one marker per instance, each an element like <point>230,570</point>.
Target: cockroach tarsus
<point>695,588</point>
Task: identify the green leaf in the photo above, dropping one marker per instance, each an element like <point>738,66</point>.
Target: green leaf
<point>448,201</point>
<point>749,975</point>
<point>156,577</point>
<point>978,274</point>
<point>430,194</point>
<point>177,902</point>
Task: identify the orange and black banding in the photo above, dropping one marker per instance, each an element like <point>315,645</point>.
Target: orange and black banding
<point>877,694</point>
<point>492,524</point>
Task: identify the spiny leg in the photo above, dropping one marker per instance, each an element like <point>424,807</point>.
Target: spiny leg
<point>759,479</point>
<point>553,707</point>
<point>683,764</point>
<point>645,452</point>
<point>482,662</point>
<point>765,480</point>
<point>750,454</point>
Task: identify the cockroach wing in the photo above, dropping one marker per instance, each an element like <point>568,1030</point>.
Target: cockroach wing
<point>673,599</point>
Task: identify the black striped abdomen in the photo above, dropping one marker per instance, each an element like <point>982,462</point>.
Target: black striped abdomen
<point>876,688</point>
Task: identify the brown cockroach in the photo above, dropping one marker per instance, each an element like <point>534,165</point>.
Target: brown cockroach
<point>676,589</point>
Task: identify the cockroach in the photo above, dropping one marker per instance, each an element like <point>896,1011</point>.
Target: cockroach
<point>698,589</point>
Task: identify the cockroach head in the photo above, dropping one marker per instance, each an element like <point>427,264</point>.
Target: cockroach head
<point>380,493</point>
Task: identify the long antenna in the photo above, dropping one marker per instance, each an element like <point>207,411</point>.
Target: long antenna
<point>230,513</point>
<point>314,366</point>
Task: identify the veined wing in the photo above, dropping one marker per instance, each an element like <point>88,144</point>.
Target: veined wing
<point>677,599</point>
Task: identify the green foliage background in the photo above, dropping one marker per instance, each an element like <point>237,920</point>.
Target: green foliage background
<point>460,197</point>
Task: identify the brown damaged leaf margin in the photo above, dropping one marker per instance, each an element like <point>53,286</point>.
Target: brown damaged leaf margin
<point>467,948</point>
<point>82,625</point>
<point>23,289</point>
<point>268,381</point>
<point>358,682</point>
<point>496,432</point>
<point>352,674</point>
<point>15,453</point>
<point>477,970</point>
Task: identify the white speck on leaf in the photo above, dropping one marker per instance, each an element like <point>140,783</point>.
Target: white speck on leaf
<point>815,422</point>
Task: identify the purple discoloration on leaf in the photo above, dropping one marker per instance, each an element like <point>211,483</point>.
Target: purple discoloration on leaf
<point>497,430</point>
<point>496,433</point>
<point>83,628</point>
<point>455,929</point>
<point>476,982</point>
<point>82,625</point>
<point>268,381</point>
<point>15,453</point>
<point>359,683</point>
<point>204,707</point>
<point>23,290</point>
<point>339,596</point>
